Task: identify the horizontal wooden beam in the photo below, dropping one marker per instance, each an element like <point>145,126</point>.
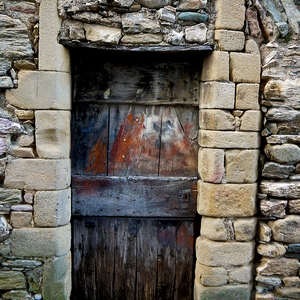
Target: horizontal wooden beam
<point>134,196</point>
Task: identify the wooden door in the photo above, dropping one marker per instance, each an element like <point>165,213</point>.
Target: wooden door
<point>134,168</point>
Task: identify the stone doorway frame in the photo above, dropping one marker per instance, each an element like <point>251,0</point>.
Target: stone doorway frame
<point>231,77</point>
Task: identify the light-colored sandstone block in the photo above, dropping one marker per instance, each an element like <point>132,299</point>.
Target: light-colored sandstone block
<point>251,46</point>
<point>20,219</point>
<point>229,139</point>
<point>211,165</point>
<point>244,67</point>
<point>229,40</point>
<point>41,242</point>
<point>53,136</point>
<point>216,67</point>
<point>213,229</point>
<point>245,229</point>
<point>38,174</point>
<point>251,120</point>
<point>217,95</point>
<point>225,292</point>
<point>215,254</point>
<point>104,34</point>
<point>210,276</point>
<point>52,208</point>
<point>247,96</point>
<point>57,278</point>
<point>226,200</point>
<point>230,14</point>
<point>41,90</point>
<point>216,119</point>
<point>241,166</point>
<point>243,274</point>
<point>52,56</point>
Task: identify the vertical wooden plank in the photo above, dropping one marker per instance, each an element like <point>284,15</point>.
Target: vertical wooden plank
<point>134,140</point>
<point>179,145</point>
<point>147,248</point>
<point>89,139</point>
<point>166,259</point>
<point>84,283</point>
<point>184,260</point>
<point>104,258</point>
<point>125,259</point>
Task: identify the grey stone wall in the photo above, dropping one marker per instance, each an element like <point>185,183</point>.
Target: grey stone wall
<point>278,237</point>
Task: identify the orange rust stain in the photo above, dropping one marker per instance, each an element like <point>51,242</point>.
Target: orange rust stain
<point>97,157</point>
<point>125,151</point>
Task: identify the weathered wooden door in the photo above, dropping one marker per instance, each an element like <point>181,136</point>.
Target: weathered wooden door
<point>134,168</point>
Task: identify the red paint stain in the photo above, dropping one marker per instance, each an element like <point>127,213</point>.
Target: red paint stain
<point>97,162</point>
<point>126,150</point>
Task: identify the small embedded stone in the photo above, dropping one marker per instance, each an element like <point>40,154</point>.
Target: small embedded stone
<point>193,17</point>
<point>291,281</point>
<point>286,230</point>
<point>10,280</point>
<point>264,232</point>
<point>245,229</point>
<point>278,266</point>
<point>6,82</point>
<point>7,126</point>
<point>294,206</point>
<point>288,190</point>
<point>154,3</point>
<point>139,22</point>
<point>196,34</point>
<point>275,170</point>
<point>286,153</point>
<point>190,5</point>
<point>273,208</point>
<point>166,15</point>
<point>20,219</point>
<point>288,292</point>
<point>269,280</point>
<point>105,34</point>
<point>272,249</point>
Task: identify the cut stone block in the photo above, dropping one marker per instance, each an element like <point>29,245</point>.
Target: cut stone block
<point>52,55</point>
<point>229,139</point>
<point>211,165</point>
<point>216,67</point>
<point>226,200</point>
<point>41,242</point>
<point>213,229</point>
<point>241,166</point>
<point>53,136</point>
<point>243,274</point>
<point>224,254</point>
<point>20,219</point>
<point>230,14</point>
<point>251,120</point>
<point>216,119</point>
<point>229,40</point>
<point>245,229</point>
<point>41,90</point>
<point>52,208</point>
<point>211,276</point>
<point>245,67</point>
<point>217,95</point>
<point>247,96</point>
<point>57,278</point>
<point>38,174</point>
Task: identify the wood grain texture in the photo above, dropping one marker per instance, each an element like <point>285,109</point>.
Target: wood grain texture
<point>134,196</point>
<point>132,258</point>
<point>164,79</point>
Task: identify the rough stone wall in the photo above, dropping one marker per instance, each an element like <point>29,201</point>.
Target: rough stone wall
<point>129,22</point>
<point>34,137</point>
<point>34,186</point>
<point>278,237</point>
